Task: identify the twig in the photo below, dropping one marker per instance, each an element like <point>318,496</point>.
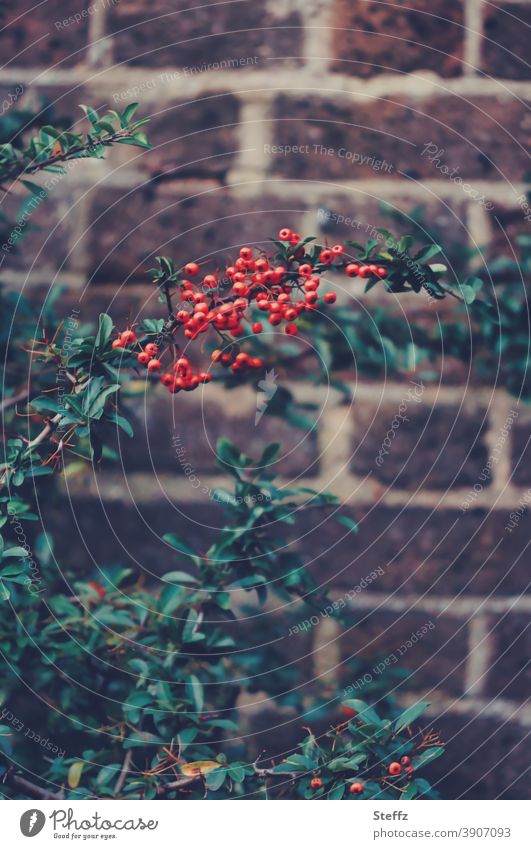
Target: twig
<point>34,789</point>
<point>10,402</point>
<point>123,772</point>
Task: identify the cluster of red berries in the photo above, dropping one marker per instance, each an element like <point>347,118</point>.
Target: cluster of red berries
<point>238,363</point>
<point>282,290</point>
<point>181,375</point>
<point>395,768</point>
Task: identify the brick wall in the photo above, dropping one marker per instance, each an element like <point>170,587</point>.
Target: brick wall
<point>359,89</point>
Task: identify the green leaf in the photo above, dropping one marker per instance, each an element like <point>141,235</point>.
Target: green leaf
<point>142,738</point>
<point>365,714</point>
<point>216,778</point>
<point>6,741</point>
<point>427,756</point>
<point>195,692</point>
<point>15,551</point>
<point>348,523</point>
<point>105,329</point>
<point>409,716</point>
<point>179,578</point>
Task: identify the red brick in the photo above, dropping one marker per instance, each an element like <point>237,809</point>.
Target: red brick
<point>485,758</point>
<point>435,659</point>
<point>505,45</point>
<point>439,552</point>
<point>413,443</point>
<point>45,227</point>
<point>482,137</point>
<point>405,36</point>
<point>33,34</point>
<point>521,450</point>
<point>191,138</point>
<point>355,217</point>
<point>509,675</point>
<point>127,532</point>
<point>208,223</point>
<point>192,36</point>
<point>198,422</point>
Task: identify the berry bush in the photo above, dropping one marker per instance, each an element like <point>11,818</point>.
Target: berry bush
<point>143,682</point>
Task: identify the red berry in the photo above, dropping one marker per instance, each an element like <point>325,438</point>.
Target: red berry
<point>326,256</point>
<point>216,355</point>
<point>316,783</point>
<point>117,343</point>
<point>256,362</point>
<point>394,768</point>
<point>311,297</point>
<point>191,269</point>
<point>364,271</point>
<point>305,270</point>
<point>183,315</point>
<point>257,327</point>
<point>291,329</point>
<point>226,359</point>
<point>167,379</point>
<point>356,788</point>
<point>154,365</point>
<point>348,711</point>
<point>275,319</point>
<point>337,250</point>
<point>97,588</point>
<point>405,761</point>
<point>352,269</point>
<point>330,298</point>
<point>128,337</point>
<point>210,281</point>
<point>204,377</point>
<point>294,239</point>
<point>381,271</point>
<point>284,234</point>
<point>143,358</point>
<point>246,254</point>
<point>151,349</point>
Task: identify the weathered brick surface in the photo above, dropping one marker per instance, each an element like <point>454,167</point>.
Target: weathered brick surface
<point>374,38</point>
<point>43,34</point>
<point>191,37</point>
<point>521,450</point>
<point>475,136</point>
<point>128,533</point>
<point>439,552</point>
<point>178,435</point>
<point>195,138</point>
<point>485,758</point>
<point>41,230</point>
<point>357,215</point>
<point>206,223</point>
<point>505,44</point>
<point>415,443</point>
<point>509,675</point>
<point>433,649</point>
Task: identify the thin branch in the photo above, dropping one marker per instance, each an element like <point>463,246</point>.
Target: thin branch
<point>123,772</point>
<point>34,789</point>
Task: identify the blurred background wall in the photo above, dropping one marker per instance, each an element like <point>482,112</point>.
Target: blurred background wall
<point>312,114</point>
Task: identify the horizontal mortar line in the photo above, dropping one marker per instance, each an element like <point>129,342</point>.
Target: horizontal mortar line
<point>244,182</point>
<point>267,78</point>
<point>489,708</point>
<point>144,488</point>
<point>449,605</point>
